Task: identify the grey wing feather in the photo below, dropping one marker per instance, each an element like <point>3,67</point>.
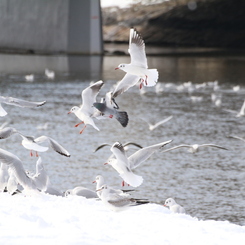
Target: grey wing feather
<point>133,143</point>
<point>20,102</point>
<point>101,146</point>
<point>54,145</point>
<point>119,201</point>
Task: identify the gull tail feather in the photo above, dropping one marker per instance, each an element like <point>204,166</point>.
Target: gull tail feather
<point>122,117</point>
<point>132,179</point>
<point>152,77</point>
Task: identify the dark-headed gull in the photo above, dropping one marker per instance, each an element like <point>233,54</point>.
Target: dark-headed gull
<point>138,68</point>
<point>173,206</point>
<point>124,165</point>
<point>195,147</point>
<point>17,102</point>
<point>109,108</point>
<point>154,126</point>
<point>240,113</point>
<point>117,202</point>
<point>81,191</point>
<point>33,144</point>
<point>86,111</point>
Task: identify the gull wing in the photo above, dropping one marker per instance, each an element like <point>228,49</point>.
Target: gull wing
<point>119,152</point>
<point>143,154</point>
<point>176,147</point>
<point>242,111</point>
<point>237,137</point>
<point>137,49</point>
<point>101,146</point>
<point>16,166</point>
<point>127,82</point>
<point>20,102</point>
<point>213,145</point>
<point>89,94</point>
<point>54,145</point>
<point>161,122</point>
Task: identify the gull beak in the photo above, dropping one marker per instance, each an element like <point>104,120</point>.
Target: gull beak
<point>99,189</point>
<point>116,68</point>
<point>69,112</point>
<point>94,181</point>
<point>106,163</point>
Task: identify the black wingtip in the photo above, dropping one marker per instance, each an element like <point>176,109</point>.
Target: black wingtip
<point>122,117</point>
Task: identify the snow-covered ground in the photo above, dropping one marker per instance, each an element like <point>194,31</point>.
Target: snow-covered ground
<point>44,219</point>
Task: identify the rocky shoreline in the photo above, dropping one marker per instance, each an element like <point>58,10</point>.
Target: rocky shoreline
<point>203,23</point>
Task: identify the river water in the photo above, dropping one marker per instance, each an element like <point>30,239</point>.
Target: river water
<point>209,184</point>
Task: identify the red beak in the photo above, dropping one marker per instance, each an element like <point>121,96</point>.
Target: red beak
<point>94,181</point>
<point>69,112</point>
<point>116,68</point>
<point>105,163</point>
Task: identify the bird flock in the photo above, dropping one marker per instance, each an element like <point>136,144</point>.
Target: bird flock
<point>14,178</point>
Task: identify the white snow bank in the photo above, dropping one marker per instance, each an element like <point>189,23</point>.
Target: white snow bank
<point>45,219</point>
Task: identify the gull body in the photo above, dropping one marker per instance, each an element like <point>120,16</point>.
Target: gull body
<point>124,165</point>
<point>81,191</point>
<point>117,202</point>
<point>86,112</point>
<point>173,206</point>
<point>100,181</point>
<point>138,67</point>
<point>17,102</point>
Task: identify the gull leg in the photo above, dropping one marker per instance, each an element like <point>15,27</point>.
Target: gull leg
<point>146,79</point>
<point>37,154</point>
<point>123,183</point>
<point>31,154</point>
<point>141,83</point>
<point>78,124</point>
<point>82,129</point>
<point>111,116</point>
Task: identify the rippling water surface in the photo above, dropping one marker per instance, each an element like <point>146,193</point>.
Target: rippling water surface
<point>209,184</point>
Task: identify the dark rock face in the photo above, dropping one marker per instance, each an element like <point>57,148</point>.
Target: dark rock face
<point>204,23</point>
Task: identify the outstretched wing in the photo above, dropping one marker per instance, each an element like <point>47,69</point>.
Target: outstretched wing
<point>137,49</point>
<point>20,102</point>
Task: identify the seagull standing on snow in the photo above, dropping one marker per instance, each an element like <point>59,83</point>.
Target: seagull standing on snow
<point>173,206</point>
<point>81,191</point>
<point>86,111</point>
<point>100,181</point>
<point>124,165</point>
<point>116,202</point>
<point>195,148</point>
<point>17,102</point>
<point>33,144</point>
<point>138,68</point>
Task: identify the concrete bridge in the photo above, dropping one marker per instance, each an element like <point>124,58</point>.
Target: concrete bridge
<point>51,27</point>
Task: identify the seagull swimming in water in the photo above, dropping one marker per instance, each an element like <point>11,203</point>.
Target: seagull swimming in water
<point>86,112</point>
<point>138,68</point>
<point>17,102</point>
<point>33,144</point>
